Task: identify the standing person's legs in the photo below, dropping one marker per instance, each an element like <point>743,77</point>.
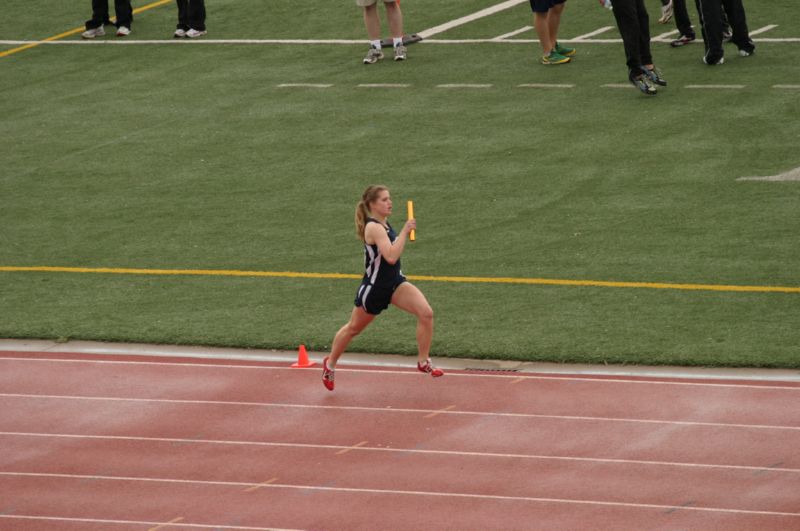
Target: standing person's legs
<point>645,56</point>
<point>372,22</point>
<point>359,319</point>
<point>395,17</point>
<point>409,298</point>
<point>628,24</point>
<point>542,26</point>
<point>710,13</point>
<point>682,20</point>
<point>554,21</point>
<point>197,15</point>
<point>124,13</point>
<point>99,14</point>
<point>183,15</point>
<point>738,22</point>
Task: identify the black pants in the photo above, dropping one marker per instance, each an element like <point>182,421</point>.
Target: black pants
<point>122,8</point>
<point>634,27</point>
<point>682,20</point>
<point>192,15</point>
<point>712,24</point>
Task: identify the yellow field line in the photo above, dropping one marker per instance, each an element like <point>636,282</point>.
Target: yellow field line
<point>423,278</point>
<point>76,30</point>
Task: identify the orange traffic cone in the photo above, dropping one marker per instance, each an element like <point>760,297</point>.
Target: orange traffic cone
<point>302,359</point>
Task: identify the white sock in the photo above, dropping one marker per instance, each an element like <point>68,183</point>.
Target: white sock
<point>376,44</point>
<point>396,41</point>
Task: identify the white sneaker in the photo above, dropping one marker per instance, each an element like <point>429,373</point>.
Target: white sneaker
<point>373,56</point>
<point>179,33</point>
<point>193,33</point>
<point>122,31</point>
<point>400,53</point>
<point>666,13</point>
<point>92,33</point>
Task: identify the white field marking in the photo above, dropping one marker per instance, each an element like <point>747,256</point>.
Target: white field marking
<point>135,522</point>
<point>261,485</point>
<point>585,36</point>
<point>465,85</point>
<point>400,492</point>
<point>181,42</point>
<point>791,175</point>
<point>404,410</point>
<point>305,85</point>
<point>452,453</point>
<point>587,379</point>
<point>795,87</point>
<point>513,33</point>
<point>350,448</point>
<point>167,524</point>
<point>546,85</point>
<point>732,87</point>
<point>470,18</point>
<point>187,42</point>
<point>384,85</point>
<point>666,36</point>
<point>618,85</point>
<point>763,30</point>
<point>437,412</point>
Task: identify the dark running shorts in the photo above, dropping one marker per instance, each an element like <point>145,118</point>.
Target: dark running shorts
<point>375,299</point>
<point>543,6</point>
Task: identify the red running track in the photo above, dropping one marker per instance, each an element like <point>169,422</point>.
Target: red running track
<point>110,442</point>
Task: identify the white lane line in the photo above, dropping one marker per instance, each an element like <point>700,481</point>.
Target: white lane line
<point>722,87</point>
<point>186,42</point>
<point>791,175</point>
<point>404,410</point>
<point>470,18</point>
<point>546,85</point>
<point>399,492</point>
<point>576,378</point>
<point>591,34</point>
<point>494,40</point>
<point>670,35</point>
<point>135,522</point>
<point>305,85</point>
<point>513,33</point>
<point>451,453</point>
<point>763,30</point>
<point>465,85</point>
<point>384,85</point>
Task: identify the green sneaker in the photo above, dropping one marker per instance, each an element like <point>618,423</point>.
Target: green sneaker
<point>562,50</point>
<point>554,59</point>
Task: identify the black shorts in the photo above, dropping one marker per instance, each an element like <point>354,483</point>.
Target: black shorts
<point>543,6</point>
<point>375,299</point>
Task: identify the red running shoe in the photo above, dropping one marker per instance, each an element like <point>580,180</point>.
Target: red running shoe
<point>327,375</point>
<point>430,369</point>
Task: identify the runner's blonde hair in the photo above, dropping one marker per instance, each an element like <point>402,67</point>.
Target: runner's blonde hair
<point>369,196</point>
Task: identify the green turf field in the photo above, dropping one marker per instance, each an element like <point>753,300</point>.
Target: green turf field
<point>193,156</point>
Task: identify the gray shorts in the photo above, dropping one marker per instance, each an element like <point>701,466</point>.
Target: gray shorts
<point>366,3</point>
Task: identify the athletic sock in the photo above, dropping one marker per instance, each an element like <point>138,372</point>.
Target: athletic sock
<point>376,44</point>
<point>397,41</point>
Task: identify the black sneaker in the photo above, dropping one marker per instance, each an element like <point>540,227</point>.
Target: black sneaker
<point>643,83</point>
<point>655,76</point>
<point>683,40</point>
<point>712,60</point>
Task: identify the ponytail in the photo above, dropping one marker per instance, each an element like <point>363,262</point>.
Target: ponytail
<point>362,208</point>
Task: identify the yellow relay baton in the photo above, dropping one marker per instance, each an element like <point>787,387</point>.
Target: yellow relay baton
<point>413,235</point>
